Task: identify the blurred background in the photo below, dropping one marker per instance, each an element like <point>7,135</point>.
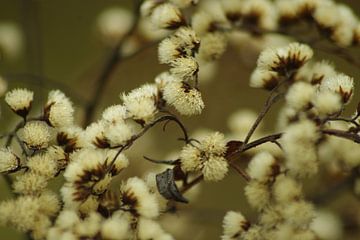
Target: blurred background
<point>58,46</point>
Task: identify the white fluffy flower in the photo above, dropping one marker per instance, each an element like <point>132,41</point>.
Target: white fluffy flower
<point>136,195</point>
<point>190,158</point>
<point>214,143</point>
<point>299,95</point>
<point>263,11</point>
<point>19,100</point>
<point>327,103</point>
<point>327,225</point>
<point>184,67</point>
<point>320,71</point>
<point>115,228</point>
<point>183,97</point>
<point>118,134</point>
<point>207,156</point>
<point>298,142</point>
<point>36,135</point>
<point>257,194</point>
<point>167,16</point>
<point>213,45</point>
<point>262,167</point>
<point>261,78</point>
<point>215,168</point>
<point>141,103</point>
<point>285,60</point>
<point>298,214</point>
<point>115,114</point>
<point>113,23</point>
<point>234,224</point>
<point>8,160</point>
<point>183,43</point>
<point>59,111</point>
<point>340,84</point>
<point>286,189</point>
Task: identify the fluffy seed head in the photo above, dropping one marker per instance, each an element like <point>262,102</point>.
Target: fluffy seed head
<point>214,143</point>
<point>298,142</point>
<point>113,23</point>
<point>263,167</point>
<point>136,195</point>
<point>215,168</point>
<point>327,103</point>
<point>19,100</point>
<point>184,67</point>
<point>183,97</point>
<point>257,194</point>
<point>213,45</point>
<point>43,164</point>
<point>59,111</point>
<point>299,95</point>
<point>141,103</point>
<point>234,224</point>
<point>259,13</point>
<point>340,84</point>
<point>8,161</point>
<point>299,214</point>
<point>115,114</point>
<point>167,16</point>
<point>36,135</point>
<point>183,43</point>
<point>264,79</point>
<point>30,183</point>
<point>285,60</point>
<point>190,157</point>
<point>320,71</point>
<point>286,189</point>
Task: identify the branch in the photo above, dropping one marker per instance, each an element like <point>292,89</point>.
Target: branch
<point>273,98</point>
<point>342,134</point>
<point>113,59</point>
<point>144,130</point>
<point>189,185</point>
<point>240,171</point>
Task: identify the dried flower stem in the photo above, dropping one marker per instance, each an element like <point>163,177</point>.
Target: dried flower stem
<point>273,98</point>
<point>112,61</point>
<point>145,129</point>
<point>240,171</point>
<point>192,183</point>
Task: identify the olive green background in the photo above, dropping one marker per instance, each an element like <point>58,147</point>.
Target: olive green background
<point>62,46</point>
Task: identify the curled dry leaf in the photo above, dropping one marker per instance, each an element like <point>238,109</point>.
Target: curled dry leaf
<point>167,188</point>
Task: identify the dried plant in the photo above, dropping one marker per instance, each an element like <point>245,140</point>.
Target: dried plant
<point>313,136</point>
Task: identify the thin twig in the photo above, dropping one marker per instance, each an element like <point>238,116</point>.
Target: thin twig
<point>144,130</point>
<point>112,61</point>
<point>273,98</point>
<point>342,134</point>
<point>240,171</point>
<point>189,185</point>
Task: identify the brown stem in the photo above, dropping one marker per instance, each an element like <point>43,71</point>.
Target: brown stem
<point>348,120</point>
<point>342,134</point>
<point>193,182</point>
<point>273,98</point>
<point>112,61</point>
<point>240,171</point>
<point>144,130</point>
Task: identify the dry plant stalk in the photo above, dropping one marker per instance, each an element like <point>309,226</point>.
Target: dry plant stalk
<point>312,132</point>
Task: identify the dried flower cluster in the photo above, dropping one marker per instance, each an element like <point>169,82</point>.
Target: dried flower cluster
<point>312,134</point>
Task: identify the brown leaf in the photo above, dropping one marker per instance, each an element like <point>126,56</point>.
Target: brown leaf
<point>232,147</point>
<point>167,188</point>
